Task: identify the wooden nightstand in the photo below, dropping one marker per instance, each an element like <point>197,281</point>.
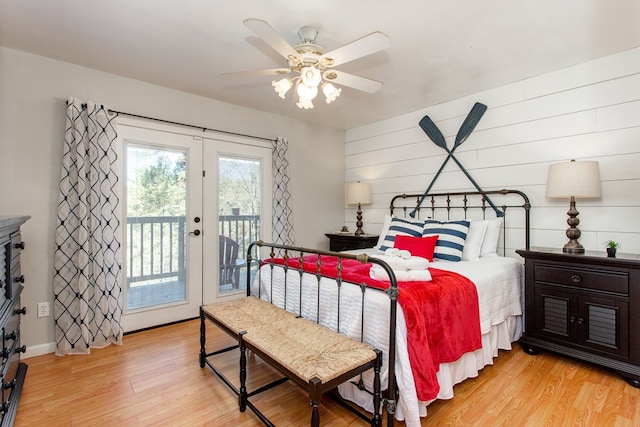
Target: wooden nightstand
<point>584,306</point>
<point>344,242</point>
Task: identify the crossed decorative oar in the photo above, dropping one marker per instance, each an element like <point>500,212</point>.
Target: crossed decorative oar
<point>436,136</point>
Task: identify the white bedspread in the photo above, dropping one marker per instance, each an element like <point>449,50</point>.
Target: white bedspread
<point>498,281</point>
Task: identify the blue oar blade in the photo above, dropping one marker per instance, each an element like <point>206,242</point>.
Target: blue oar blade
<point>433,132</point>
<point>470,123</point>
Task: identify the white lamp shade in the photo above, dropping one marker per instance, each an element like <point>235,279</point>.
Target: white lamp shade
<point>358,192</point>
<point>306,93</point>
<point>304,104</point>
<point>330,92</point>
<point>281,86</point>
<point>577,179</point>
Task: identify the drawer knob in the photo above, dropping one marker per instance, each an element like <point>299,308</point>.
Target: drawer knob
<point>22,310</point>
<point>22,349</point>
<point>20,245</point>
<point>572,319</point>
<point>576,279</point>
<point>11,384</point>
<point>19,279</point>
<point>580,320</point>
<point>11,336</point>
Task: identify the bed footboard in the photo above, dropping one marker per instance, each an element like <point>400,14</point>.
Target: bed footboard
<point>310,284</point>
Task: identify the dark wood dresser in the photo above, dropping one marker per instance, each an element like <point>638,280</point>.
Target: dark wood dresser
<point>584,306</point>
<point>11,279</point>
<point>347,241</point>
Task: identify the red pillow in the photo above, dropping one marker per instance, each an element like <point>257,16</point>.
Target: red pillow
<point>418,246</point>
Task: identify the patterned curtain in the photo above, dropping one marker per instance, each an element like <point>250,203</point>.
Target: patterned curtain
<point>87,282</point>
<point>282,213</point>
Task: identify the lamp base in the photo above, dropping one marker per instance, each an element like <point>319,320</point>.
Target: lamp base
<point>573,247</point>
<point>573,233</point>
<point>359,230</point>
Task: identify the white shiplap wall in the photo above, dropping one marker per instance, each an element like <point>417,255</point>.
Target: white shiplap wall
<point>588,112</point>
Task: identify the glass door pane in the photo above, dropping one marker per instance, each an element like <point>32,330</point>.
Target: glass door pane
<point>239,207</point>
<point>156,217</point>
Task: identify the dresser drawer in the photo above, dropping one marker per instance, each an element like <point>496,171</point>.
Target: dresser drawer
<point>615,281</point>
<point>17,245</point>
<point>11,343</point>
<point>14,281</point>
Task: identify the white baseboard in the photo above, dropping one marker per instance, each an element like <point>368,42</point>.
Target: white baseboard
<point>39,350</point>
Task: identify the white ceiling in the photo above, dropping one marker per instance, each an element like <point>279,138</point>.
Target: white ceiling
<point>440,50</point>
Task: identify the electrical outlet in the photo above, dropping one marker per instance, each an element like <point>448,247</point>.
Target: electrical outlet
<point>43,309</point>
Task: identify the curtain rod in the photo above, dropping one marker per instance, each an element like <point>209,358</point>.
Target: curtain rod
<point>204,129</point>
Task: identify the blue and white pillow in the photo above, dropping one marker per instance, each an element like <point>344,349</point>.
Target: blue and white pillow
<point>402,227</point>
<point>452,237</point>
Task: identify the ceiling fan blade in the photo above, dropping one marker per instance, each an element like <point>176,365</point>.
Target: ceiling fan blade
<point>352,81</point>
<point>266,32</point>
<point>367,45</point>
<point>256,73</point>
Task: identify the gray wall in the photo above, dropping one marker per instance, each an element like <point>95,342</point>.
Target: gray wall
<point>33,90</point>
<point>586,112</point>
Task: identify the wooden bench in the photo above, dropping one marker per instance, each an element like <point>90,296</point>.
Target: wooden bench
<point>315,357</point>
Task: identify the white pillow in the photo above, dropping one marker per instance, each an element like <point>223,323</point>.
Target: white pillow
<point>451,237</point>
<point>403,227</point>
<point>475,237</point>
<point>489,247</point>
<point>385,229</point>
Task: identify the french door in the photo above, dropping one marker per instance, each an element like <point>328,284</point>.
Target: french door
<point>237,206</point>
<point>193,204</point>
<point>163,188</point>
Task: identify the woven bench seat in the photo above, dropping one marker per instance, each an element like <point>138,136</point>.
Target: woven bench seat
<point>315,357</point>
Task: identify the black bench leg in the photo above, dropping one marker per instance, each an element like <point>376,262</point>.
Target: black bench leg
<point>242,396</point>
<point>315,394</point>
<point>203,329</point>
<point>376,420</point>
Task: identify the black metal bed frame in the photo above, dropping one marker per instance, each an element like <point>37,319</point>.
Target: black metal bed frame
<point>449,203</point>
<point>464,201</point>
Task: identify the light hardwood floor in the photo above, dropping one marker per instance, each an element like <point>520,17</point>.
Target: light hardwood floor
<point>154,379</point>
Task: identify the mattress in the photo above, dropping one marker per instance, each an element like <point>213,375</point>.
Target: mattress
<point>499,284</point>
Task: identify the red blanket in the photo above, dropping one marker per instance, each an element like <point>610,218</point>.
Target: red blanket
<point>442,316</point>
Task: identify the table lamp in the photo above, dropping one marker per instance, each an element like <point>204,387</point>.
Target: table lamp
<point>358,193</point>
<point>573,180</point>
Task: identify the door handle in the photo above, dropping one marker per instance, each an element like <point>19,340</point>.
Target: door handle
<point>194,233</point>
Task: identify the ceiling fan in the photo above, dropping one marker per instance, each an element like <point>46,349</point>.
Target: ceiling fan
<point>311,66</point>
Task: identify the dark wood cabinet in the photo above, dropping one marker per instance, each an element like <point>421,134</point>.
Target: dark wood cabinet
<point>344,242</point>
<point>584,306</point>
<point>11,279</point>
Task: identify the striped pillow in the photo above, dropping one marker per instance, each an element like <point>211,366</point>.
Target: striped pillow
<point>401,227</point>
<point>452,237</point>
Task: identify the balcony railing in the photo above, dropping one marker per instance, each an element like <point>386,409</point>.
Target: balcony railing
<point>156,244</point>
<point>244,229</point>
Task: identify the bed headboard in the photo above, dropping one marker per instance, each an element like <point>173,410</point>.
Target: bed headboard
<point>469,205</point>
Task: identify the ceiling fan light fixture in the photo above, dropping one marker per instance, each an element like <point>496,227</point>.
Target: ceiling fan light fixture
<point>331,92</point>
<point>309,62</point>
<point>310,76</point>
<point>282,86</point>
